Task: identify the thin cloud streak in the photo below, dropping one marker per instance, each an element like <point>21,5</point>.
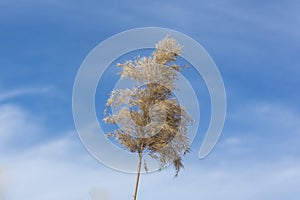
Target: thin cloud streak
<point>8,95</point>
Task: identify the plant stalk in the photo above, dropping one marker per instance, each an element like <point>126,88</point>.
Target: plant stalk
<point>138,176</point>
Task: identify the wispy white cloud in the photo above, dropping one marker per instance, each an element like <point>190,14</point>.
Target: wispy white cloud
<point>17,127</point>
<point>269,118</point>
<point>8,95</point>
<point>60,168</point>
<point>55,168</point>
<point>226,180</point>
<point>261,130</point>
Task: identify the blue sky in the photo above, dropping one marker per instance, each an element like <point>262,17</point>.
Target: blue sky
<point>255,44</point>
